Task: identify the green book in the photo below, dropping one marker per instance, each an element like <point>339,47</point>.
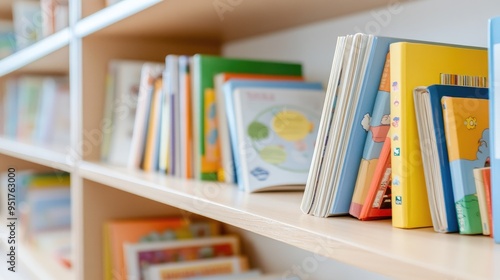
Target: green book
<point>207,159</point>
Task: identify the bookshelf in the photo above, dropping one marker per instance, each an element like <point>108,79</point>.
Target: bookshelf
<point>148,30</point>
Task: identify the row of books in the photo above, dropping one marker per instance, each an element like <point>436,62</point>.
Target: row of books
<point>213,118</point>
<point>412,118</point>
<point>173,248</point>
<point>43,208</point>
<point>31,21</point>
<point>36,109</point>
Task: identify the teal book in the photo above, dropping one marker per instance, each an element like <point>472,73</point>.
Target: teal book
<point>207,159</point>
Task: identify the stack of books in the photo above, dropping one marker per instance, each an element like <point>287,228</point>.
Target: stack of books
<point>213,118</point>
<point>412,118</point>
<point>172,248</point>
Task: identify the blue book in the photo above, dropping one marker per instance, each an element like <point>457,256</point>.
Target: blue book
<point>494,76</point>
<point>360,100</point>
<point>433,140</point>
<point>231,86</point>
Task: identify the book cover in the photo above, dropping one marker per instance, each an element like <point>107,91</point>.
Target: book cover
<point>228,173</point>
<point>467,137</point>
<point>481,198</point>
<point>429,117</point>
<point>120,110</point>
<point>199,268</point>
<point>494,82</point>
<point>149,73</point>
<point>377,203</point>
<point>10,107</point>
<point>171,114</point>
<point>276,130</point>
<point>377,125</point>
<point>147,230</point>
<point>205,67</point>
<point>413,65</point>
<point>229,89</point>
<point>140,256</point>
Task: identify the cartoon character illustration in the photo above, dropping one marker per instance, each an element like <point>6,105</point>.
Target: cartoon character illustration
<point>379,133</point>
<point>396,102</point>
<point>395,137</point>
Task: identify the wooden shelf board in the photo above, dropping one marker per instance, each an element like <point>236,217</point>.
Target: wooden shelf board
<point>49,55</point>
<point>36,154</point>
<point>199,19</point>
<point>375,246</point>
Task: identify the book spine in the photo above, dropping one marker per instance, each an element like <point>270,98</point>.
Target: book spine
<point>399,218</point>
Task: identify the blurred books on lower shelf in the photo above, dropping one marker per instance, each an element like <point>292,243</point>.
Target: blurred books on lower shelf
<point>36,110</point>
<point>43,208</point>
<point>172,248</point>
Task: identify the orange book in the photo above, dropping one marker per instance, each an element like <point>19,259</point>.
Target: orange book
<point>487,190</point>
<point>226,174</point>
<point>117,233</point>
<point>377,204</point>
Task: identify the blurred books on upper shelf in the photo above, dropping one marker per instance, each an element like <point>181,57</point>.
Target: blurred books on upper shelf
<point>31,22</point>
<point>467,138</point>
<point>494,82</point>
<point>36,110</point>
<point>7,38</point>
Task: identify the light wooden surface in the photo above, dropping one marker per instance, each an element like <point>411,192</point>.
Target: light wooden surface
<point>36,154</point>
<point>50,55</point>
<point>201,19</point>
<point>414,254</point>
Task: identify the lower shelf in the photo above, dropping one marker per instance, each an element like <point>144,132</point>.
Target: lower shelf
<point>374,246</point>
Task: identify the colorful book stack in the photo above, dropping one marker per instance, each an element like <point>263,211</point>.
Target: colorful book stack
<point>213,118</point>
<point>172,248</point>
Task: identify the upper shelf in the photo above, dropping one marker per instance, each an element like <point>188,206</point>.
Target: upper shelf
<point>49,55</point>
<point>211,20</point>
<point>375,246</point>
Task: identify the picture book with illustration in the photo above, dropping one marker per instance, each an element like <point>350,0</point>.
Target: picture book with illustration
<point>429,117</point>
<point>229,89</point>
<point>207,159</point>
<point>276,130</point>
<point>467,137</point>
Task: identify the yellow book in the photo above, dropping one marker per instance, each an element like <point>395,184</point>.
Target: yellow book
<point>414,65</point>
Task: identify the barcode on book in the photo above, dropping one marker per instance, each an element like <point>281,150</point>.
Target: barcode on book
<point>464,80</point>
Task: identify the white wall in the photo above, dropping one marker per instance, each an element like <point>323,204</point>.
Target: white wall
<point>450,21</point>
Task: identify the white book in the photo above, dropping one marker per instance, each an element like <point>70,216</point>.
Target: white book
<point>120,110</point>
<point>277,129</point>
